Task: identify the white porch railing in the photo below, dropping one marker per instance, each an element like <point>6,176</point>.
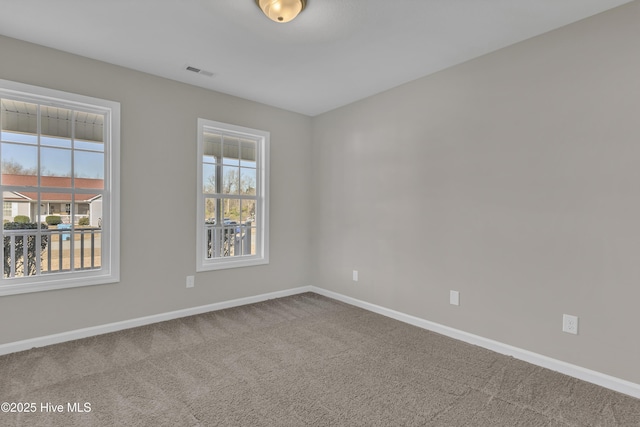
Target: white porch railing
<point>228,240</point>
<point>51,250</point>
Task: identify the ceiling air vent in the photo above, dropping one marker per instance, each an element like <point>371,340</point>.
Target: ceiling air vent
<point>199,71</point>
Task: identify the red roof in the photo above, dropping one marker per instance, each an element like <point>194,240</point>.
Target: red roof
<point>50,181</point>
<point>64,183</point>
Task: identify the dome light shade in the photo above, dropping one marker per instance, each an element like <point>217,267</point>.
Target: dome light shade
<point>281,10</point>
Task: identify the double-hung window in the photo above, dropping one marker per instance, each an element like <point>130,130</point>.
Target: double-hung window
<point>59,155</point>
<point>232,196</point>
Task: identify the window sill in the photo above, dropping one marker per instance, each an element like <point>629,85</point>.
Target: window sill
<point>62,281</point>
<point>223,264</point>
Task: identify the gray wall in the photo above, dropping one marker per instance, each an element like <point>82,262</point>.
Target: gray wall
<point>514,179</point>
<point>158,197</point>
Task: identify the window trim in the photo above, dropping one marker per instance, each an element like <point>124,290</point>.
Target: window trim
<point>262,239</point>
<point>110,271</point>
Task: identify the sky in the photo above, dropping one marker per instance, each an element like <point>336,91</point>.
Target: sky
<point>56,155</point>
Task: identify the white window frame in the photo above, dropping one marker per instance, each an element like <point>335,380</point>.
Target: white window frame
<point>110,239</point>
<point>262,203</point>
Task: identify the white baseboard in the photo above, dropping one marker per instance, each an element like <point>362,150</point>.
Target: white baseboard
<point>141,321</point>
<point>604,380</point>
<point>607,381</point>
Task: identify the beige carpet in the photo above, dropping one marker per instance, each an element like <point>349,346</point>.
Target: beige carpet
<point>298,361</point>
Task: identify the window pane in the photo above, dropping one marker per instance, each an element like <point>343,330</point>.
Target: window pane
<point>231,180</point>
<point>89,127</point>
<point>231,211</point>
<point>19,160</point>
<point>19,118</point>
<point>87,245</point>
<point>231,150</point>
<point>209,178</point>
<point>212,148</point>
<point>14,205</point>
<point>81,210</point>
<point>55,121</point>
<point>210,209</point>
<point>248,181</point>
<point>23,247</point>
<point>7,211</point>
<point>248,211</point>
<point>56,204</point>
<point>55,167</point>
<point>248,155</point>
<point>90,165</point>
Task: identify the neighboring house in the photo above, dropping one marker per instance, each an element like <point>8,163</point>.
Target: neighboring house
<point>52,203</point>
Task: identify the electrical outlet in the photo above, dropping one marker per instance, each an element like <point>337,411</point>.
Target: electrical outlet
<point>190,281</point>
<point>355,275</point>
<point>570,324</point>
<point>454,297</point>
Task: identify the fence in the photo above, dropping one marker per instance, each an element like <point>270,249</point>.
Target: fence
<point>58,251</point>
<point>229,240</point>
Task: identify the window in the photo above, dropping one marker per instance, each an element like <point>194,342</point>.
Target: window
<point>59,156</point>
<point>7,211</point>
<point>232,196</point>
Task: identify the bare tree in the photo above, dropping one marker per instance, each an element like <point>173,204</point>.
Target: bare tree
<point>14,168</point>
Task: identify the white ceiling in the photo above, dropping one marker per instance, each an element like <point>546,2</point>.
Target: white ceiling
<point>335,52</point>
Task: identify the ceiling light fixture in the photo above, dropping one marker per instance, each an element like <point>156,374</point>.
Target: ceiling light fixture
<point>281,10</point>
